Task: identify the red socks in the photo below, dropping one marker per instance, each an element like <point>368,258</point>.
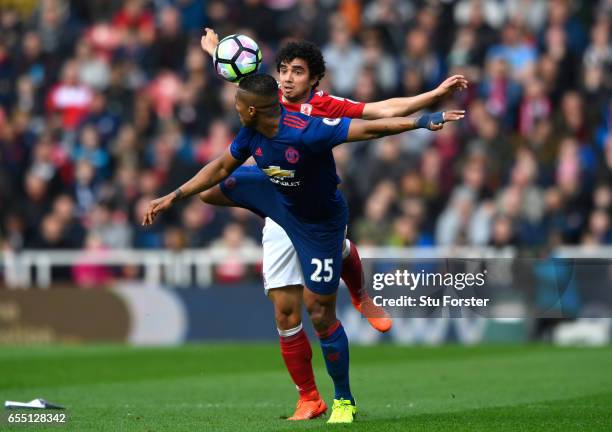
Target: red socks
<point>297,354</point>
<point>352,274</point>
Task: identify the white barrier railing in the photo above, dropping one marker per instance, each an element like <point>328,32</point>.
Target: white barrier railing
<point>185,268</point>
<point>603,252</point>
<point>195,266</point>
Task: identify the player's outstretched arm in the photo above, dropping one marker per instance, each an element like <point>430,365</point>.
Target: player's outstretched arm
<point>399,107</point>
<point>209,41</point>
<point>360,130</point>
<point>207,177</point>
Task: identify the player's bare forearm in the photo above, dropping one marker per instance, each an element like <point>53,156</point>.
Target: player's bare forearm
<point>209,176</point>
<point>399,107</point>
<point>361,130</point>
<point>404,106</point>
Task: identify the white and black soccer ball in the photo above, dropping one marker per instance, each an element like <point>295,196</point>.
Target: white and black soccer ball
<point>236,56</point>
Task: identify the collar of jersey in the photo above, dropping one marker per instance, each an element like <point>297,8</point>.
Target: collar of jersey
<point>312,93</point>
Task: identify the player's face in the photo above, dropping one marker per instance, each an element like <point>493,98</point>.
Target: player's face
<point>245,112</point>
<point>295,80</point>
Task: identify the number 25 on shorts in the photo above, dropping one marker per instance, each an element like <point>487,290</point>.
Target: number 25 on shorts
<point>326,267</point>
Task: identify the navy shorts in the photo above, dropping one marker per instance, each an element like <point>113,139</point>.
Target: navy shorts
<point>318,245</point>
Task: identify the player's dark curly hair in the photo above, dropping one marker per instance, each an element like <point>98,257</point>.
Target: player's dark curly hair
<point>306,51</point>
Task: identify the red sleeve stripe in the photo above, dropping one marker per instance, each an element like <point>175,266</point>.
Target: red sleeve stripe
<point>298,122</point>
<point>293,125</point>
<point>296,119</point>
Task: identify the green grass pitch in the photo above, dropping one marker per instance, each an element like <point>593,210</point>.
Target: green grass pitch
<point>236,387</point>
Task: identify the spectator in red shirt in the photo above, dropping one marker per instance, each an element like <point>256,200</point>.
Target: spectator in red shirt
<point>70,97</point>
<point>134,16</point>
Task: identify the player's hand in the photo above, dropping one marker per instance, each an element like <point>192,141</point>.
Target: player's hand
<point>156,207</point>
<point>209,41</point>
<point>451,84</point>
<point>437,120</point>
<point>453,115</point>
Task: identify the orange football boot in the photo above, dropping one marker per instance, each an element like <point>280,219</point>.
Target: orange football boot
<point>378,318</point>
<point>309,407</point>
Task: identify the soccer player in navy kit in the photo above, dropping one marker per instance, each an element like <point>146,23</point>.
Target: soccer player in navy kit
<point>295,184</point>
<point>301,66</point>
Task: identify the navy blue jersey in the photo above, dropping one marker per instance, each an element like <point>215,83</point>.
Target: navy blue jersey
<point>299,162</point>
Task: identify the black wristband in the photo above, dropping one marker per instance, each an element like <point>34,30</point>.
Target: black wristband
<point>178,194</point>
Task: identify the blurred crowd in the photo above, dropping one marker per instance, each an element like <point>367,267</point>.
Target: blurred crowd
<point>106,104</point>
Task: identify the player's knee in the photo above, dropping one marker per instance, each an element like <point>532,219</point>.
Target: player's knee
<point>205,196</point>
<point>287,306</point>
<point>287,318</point>
<point>318,319</point>
<point>321,315</point>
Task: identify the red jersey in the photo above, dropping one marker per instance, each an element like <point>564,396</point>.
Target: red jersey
<point>322,104</point>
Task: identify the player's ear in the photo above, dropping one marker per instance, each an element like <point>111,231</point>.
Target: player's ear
<point>252,111</point>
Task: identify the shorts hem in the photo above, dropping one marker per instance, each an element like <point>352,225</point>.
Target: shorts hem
<point>277,285</point>
<point>322,291</point>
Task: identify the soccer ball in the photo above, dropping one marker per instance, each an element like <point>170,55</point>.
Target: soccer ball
<point>236,56</point>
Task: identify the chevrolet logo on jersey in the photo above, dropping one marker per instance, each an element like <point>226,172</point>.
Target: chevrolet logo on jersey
<point>278,175</point>
<point>276,171</point>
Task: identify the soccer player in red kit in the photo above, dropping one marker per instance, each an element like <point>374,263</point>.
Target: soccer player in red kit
<point>301,66</point>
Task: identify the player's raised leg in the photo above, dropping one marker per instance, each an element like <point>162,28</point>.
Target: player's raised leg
<point>352,275</point>
<point>352,271</point>
<point>214,196</point>
<point>334,344</point>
